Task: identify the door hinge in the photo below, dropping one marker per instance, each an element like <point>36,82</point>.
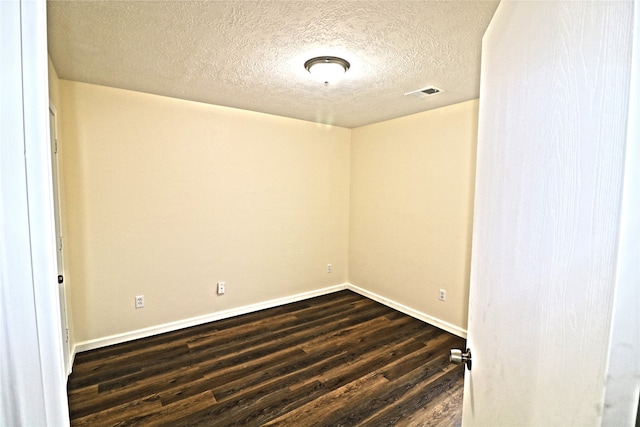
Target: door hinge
<point>67,334</point>
<point>60,243</point>
<point>56,145</point>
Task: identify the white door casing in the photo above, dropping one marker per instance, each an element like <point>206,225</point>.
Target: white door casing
<point>32,379</point>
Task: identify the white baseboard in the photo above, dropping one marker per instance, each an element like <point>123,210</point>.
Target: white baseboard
<point>410,311</point>
<point>199,320</point>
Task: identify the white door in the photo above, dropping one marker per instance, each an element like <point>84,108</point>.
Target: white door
<point>64,326</point>
<point>550,168</point>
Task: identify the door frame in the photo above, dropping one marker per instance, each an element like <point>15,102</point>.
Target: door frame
<point>32,380</point>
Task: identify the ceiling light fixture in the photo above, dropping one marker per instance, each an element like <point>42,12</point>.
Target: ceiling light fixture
<point>327,68</point>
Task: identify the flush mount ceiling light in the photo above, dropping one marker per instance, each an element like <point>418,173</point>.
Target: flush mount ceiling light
<point>327,68</point>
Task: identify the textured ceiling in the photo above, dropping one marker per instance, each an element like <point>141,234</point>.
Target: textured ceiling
<point>250,54</point>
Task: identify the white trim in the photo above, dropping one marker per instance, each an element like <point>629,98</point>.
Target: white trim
<point>455,330</point>
<point>199,320</point>
<point>212,317</point>
<point>32,377</point>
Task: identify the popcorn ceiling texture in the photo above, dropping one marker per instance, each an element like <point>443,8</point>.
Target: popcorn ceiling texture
<point>250,54</point>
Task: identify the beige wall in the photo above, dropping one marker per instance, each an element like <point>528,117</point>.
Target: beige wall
<point>412,182</point>
<point>166,197</point>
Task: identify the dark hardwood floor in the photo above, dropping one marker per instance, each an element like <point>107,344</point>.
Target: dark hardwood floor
<point>335,360</point>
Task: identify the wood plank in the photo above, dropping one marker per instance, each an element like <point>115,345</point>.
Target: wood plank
<point>332,406</point>
<point>416,397</point>
<point>170,414</point>
<point>443,411</point>
<point>82,404</point>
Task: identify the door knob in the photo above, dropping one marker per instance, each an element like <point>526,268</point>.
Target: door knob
<point>458,357</point>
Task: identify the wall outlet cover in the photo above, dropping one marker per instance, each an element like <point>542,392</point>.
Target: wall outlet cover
<point>140,301</point>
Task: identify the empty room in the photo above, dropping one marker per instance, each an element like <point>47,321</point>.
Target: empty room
<point>320,213</point>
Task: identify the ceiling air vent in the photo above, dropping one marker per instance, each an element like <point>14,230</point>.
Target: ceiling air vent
<point>425,91</point>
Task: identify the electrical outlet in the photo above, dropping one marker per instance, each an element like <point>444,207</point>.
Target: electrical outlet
<point>221,288</point>
<point>329,268</point>
<point>140,301</point>
<point>442,296</point>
